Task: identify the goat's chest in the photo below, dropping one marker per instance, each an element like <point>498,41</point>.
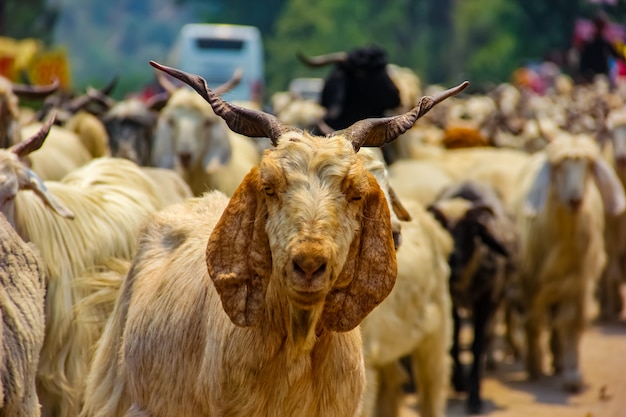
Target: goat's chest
<point>307,385</point>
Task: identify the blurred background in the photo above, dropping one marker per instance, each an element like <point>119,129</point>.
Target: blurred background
<point>87,42</point>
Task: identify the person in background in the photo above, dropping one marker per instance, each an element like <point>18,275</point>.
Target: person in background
<point>597,53</point>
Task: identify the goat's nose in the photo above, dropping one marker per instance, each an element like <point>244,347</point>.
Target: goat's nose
<point>310,266</point>
<point>184,158</point>
<point>576,202</point>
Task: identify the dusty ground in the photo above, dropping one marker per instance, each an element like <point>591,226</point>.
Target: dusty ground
<point>507,393</point>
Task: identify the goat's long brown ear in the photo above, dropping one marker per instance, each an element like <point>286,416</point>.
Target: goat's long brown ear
<point>370,270</point>
<point>238,254</point>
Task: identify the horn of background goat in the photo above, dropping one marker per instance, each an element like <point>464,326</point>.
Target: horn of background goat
<point>34,142</point>
<point>322,60</point>
<point>35,91</point>
<point>377,132</point>
<point>247,122</point>
<point>230,84</point>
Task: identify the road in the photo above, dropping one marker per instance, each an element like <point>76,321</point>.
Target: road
<point>507,393</point>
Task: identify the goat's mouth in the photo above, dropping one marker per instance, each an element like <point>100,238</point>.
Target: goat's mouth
<point>306,299</point>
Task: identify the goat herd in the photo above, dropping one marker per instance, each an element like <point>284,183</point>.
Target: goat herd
<point>187,256</point>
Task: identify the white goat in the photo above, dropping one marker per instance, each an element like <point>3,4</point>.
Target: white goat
<point>194,141</point>
<point>109,199</point>
<point>298,256</point>
<point>413,320</point>
<point>22,292</point>
<point>565,191</point>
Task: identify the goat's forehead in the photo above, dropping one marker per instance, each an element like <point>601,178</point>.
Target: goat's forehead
<point>302,152</point>
<point>572,147</point>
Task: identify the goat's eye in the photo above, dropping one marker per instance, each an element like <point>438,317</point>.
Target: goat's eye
<point>355,198</point>
<point>269,190</point>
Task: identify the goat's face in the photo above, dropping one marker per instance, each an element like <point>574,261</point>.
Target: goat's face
<point>312,217</point>
<point>314,189</point>
<point>570,163</point>
<point>129,126</point>
<point>189,134</point>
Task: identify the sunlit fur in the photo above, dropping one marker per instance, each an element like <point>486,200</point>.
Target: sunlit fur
<point>110,199</point>
<point>219,158</point>
<point>22,292</point>
<point>181,343</point>
<point>414,320</point>
<point>91,132</point>
<point>9,115</point>
<point>562,247</point>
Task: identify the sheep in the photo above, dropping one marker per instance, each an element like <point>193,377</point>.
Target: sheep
<point>564,194</point>
<point>21,325</point>
<point>107,200</point>
<point>194,141</point>
<point>265,315</point>
<point>413,320</point>
<point>482,265</point>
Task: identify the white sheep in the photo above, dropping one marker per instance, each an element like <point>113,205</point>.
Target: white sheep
<point>414,320</point>
<point>564,193</point>
<point>22,292</point>
<point>298,256</point>
<point>108,200</point>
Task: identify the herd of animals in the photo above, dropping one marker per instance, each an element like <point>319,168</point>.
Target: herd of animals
<point>187,256</point>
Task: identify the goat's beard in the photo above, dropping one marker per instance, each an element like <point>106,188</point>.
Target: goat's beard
<point>303,327</point>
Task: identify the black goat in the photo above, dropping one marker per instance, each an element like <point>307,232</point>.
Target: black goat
<point>357,88</point>
<point>481,267</point>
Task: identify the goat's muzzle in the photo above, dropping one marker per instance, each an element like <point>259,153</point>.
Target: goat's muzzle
<point>308,276</point>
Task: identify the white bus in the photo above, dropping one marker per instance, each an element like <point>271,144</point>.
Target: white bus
<point>215,51</point>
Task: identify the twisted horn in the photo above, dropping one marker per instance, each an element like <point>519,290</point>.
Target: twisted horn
<point>33,143</point>
<point>247,122</point>
<point>322,60</point>
<point>377,132</point>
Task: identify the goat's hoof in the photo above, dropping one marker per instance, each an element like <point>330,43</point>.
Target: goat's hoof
<point>572,381</point>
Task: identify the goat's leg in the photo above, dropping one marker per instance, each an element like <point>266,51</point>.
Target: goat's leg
<point>390,392</point>
<point>459,381</point>
<point>534,354</point>
<point>569,330</point>
<point>431,370</point>
<point>483,316</point>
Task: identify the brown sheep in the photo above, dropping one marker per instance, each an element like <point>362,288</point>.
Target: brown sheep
<point>263,319</point>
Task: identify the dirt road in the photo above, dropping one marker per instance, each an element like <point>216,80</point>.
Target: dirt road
<point>507,393</point>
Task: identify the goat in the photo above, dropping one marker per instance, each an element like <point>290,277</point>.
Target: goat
<point>21,323</point>
<point>263,319</point>
<point>413,320</point>
<point>565,191</point>
<point>358,87</point>
<point>107,201</point>
<point>191,139</point>
<point>482,265</point>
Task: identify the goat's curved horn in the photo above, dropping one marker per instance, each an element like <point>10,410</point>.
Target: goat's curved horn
<point>323,60</point>
<point>247,122</point>
<point>108,89</point>
<point>33,143</point>
<point>230,84</point>
<point>377,132</point>
<point>35,91</point>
